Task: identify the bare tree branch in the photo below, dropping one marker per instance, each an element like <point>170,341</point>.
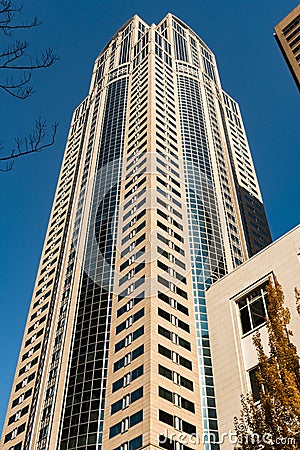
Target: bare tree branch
<point>17,63</point>
<point>35,142</point>
<point>16,56</point>
<point>8,12</point>
<point>45,59</point>
<point>14,50</point>
<point>19,89</point>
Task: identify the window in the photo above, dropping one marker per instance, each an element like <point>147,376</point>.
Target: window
<point>134,198</point>
<point>133,444</point>
<point>176,422</point>
<point>133,220</point>
<point>164,351</point>
<point>132,273</point>
<point>129,321</point>
<point>175,357</point>
<point>135,187</point>
<point>170,244</point>
<point>165,372</point>
<point>28,366</point>
<point>253,308</point>
<point>172,287</point>
<point>125,424</point>
<point>14,433</point>
<point>169,219</point>
<point>171,272</point>
<point>255,389</point>
<point>24,382</point>
<point>129,339</point>
<point>166,443</point>
<point>171,258</point>
<point>168,196</point>
<point>128,378</point>
<point>169,230</point>
<point>188,384</point>
<point>43,432</point>
<point>173,303</point>
<point>187,404</point>
<point>132,259</point>
<point>129,305</point>
<point>134,232</point>
<point>165,394</point>
<point>175,377</point>
<point>115,429</point>
<point>135,418</point>
<point>176,399</point>
<point>127,400</point>
<point>131,288</point>
<point>174,337</point>
<point>18,415</point>
<point>133,245</point>
<point>166,418</point>
<point>21,398</point>
<point>173,319</point>
<point>128,358</point>
<point>169,444</point>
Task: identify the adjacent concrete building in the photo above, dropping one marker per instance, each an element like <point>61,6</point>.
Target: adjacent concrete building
<point>287,35</point>
<point>157,199</point>
<point>236,307</point>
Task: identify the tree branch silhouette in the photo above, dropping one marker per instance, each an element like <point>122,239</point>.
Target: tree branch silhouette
<point>17,65</point>
<point>35,142</point>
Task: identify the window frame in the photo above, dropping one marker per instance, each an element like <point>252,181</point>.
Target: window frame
<point>245,297</point>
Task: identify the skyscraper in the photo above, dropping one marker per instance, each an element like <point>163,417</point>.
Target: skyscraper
<point>157,198</point>
<point>287,35</point>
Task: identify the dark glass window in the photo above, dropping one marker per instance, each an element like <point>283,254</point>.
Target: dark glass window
<point>137,372</point>
<point>188,427</point>
<point>164,332</point>
<point>254,384</point>
<point>185,362</point>
<point>137,352</point>
<point>119,364</point>
<point>253,308</point>
<point>186,404</point>
<point>117,385</point>
<point>165,442</point>
<point>166,417</point>
<point>137,333</point>
<point>164,351</point>
<point>115,429</point>
<point>164,393</point>
<point>167,373</point>
<point>135,395</point>
<point>135,443</point>
<point>136,418</point>
<point>183,343</point>
<point>117,406</point>
<point>186,383</point>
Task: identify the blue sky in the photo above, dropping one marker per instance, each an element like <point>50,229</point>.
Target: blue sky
<point>252,71</point>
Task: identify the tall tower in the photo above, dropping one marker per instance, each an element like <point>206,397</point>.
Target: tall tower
<point>157,198</point>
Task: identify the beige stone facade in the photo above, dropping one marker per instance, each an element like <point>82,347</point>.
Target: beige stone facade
<point>232,349</point>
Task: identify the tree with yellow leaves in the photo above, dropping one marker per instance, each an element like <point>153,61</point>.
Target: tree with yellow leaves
<point>274,421</point>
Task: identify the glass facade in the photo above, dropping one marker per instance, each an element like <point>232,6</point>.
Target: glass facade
<point>86,390</point>
<point>206,245</point>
